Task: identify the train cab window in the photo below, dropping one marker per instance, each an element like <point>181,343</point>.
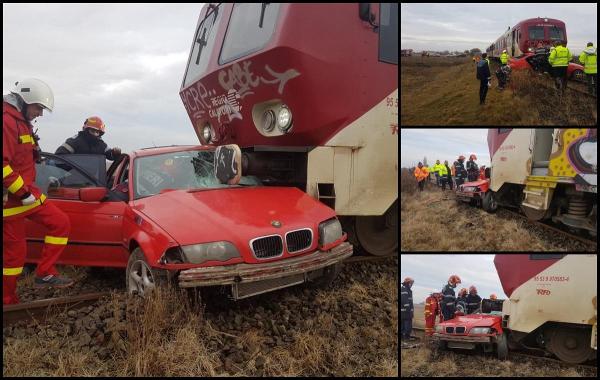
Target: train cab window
<point>556,33</point>
<point>204,42</point>
<point>388,33</point>
<point>536,32</point>
<point>546,256</point>
<point>250,28</point>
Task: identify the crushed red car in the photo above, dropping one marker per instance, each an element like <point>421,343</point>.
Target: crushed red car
<point>163,214</point>
<point>482,328</point>
<point>527,61</point>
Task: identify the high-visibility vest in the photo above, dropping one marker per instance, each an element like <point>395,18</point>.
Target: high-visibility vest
<point>504,58</point>
<point>588,59</point>
<point>560,57</point>
<point>443,171</point>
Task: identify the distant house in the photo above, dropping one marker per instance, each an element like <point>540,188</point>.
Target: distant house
<point>406,52</point>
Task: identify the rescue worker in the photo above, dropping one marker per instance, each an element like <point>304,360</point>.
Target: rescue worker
<point>559,59</point>
<point>89,141</point>
<point>432,309</point>
<point>27,101</point>
<point>588,59</point>
<point>493,297</point>
<point>461,173</point>
<point>482,172</point>
<point>462,300</point>
<point>436,170</point>
<point>448,175</point>
<point>406,309</point>
<point>472,169</point>
<point>421,174</point>
<point>449,297</point>
<point>484,76</point>
<point>504,58</point>
<point>473,300</point>
<point>443,173</point>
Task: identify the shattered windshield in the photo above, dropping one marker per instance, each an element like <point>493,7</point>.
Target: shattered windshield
<point>178,171</point>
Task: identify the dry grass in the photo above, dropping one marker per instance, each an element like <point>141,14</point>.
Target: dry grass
<point>433,221</point>
<point>445,91</point>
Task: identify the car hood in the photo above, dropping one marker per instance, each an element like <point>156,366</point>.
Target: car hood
<point>473,320</point>
<point>232,214</point>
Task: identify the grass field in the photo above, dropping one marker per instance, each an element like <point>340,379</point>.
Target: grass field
<point>445,91</point>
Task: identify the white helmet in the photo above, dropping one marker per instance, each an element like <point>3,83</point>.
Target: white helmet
<point>35,91</point>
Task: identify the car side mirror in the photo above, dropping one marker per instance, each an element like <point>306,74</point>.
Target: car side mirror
<point>228,164</point>
<point>92,194</point>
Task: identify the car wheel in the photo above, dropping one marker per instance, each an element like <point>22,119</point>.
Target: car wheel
<point>489,203</point>
<point>502,347</point>
<point>140,278</point>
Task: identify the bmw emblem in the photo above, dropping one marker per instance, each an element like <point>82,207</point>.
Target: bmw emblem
<point>276,223</point>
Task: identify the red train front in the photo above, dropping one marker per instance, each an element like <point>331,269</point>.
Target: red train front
<point>527,35</point>
<point>310,93</point>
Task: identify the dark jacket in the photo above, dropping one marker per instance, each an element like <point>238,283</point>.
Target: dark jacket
<point>473,302</point>
<point>483,70</point>
<point>406,306</point>
<point>85,143</point>
<point>463,302</point>
<point>449,171</point>
<point>449,299</point>
<point>459,169</point>
<point>472,166</point>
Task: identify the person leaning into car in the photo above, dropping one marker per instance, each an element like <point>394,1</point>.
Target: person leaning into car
<point>27,101</point>
<point>89,141</point>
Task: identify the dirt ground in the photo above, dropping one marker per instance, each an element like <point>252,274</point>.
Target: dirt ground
<point>445,91</point>
<point>425,361</point>
<point>434,221</point>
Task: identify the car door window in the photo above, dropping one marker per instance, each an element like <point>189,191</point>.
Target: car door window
<point>54,173</point>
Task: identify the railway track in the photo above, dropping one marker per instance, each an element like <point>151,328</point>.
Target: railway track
<point>40,310</point>
<point>553,228</point>
<point>551,360</point>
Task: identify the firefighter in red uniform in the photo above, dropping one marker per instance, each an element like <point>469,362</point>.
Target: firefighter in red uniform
<point>432,309</point>
<point>20,151</point>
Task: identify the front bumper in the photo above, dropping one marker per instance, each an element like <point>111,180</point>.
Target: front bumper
<point>463,338</point>
<point>295,268</point>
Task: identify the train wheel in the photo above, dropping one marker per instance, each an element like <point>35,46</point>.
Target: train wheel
<point>571,345</point>
<point>378,235</point>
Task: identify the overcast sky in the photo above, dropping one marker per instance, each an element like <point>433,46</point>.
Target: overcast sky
<point>431,273</point>
<point>466,26</point>
<point>442,144</point>
<point>124,63</point>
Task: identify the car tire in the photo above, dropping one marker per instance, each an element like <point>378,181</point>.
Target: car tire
<point>140,278</point>
<point>502,347</point>
<point>489,203</point>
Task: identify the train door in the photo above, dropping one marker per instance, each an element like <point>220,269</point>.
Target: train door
<point>512,45</point>
<point>542,147</point>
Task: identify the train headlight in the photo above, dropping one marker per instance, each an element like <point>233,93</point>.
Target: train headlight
<point>284,119</point>
<point>480,330</point>
<point>207,134</point>
<point>268,121</point>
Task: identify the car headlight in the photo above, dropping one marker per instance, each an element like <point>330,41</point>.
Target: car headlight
<point>284,119</point>
<point>480,330</point>
<point>329,231</point>
<point>439,329</point>
<point>268,121</point>
<point>199,253</point>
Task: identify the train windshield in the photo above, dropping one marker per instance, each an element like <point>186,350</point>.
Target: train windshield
<point>556,33</point>
<point>204,42</point>
<point>536,32</point>
<point>250,28</point>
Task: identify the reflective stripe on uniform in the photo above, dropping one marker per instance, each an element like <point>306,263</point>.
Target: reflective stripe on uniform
<point>26,139</point>
<point>21,209</point>
<point>68,147</point>
<point>15,186</point>
<point>12,271</point>
<point>55,240</point>
<point>6,171</point>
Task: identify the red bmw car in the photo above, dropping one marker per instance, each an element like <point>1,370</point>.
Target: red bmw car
<point>574,70</point>
<point>162,214</point>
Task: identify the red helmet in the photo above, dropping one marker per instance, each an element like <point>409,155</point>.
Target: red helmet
<point>493,297</point>
<point>463,292</point>
<point>472,290</point>
<point>407,280</point>
<point>474,157</point>
<point>454,279</point>
<point>96,123</point>
<point>461,157</point>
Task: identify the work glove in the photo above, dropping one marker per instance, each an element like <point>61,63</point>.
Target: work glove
<point>27,199</point>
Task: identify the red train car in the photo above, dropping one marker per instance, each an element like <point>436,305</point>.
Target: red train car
<point>310,94</point>
<point>527,35</point>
